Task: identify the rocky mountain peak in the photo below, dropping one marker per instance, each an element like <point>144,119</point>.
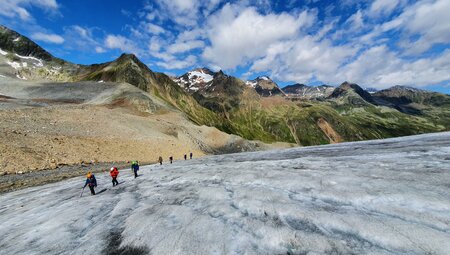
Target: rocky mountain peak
<point>11,41</point>
<point>265,86</point>
<point>352,91</point>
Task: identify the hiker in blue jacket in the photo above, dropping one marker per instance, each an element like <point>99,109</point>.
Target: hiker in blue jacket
<point>135,168</point>
<point>91,182</point>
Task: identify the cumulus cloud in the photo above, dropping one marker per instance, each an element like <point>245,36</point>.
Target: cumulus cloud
<point>49,38</point>
<point>122,43</point>
<point>180,47</point>
<point>239,36</point>
<point>179,64</point>
<point>380,67</point>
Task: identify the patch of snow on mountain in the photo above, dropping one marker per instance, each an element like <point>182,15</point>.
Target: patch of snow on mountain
<point>3,52</point>
<point>13,64</point>
<point>1,75</point>
<point>196,77</point>
<point>264,78</point>
<point>21,77</point>
<point>38,62</point>
<point>251,83</point>
<point>17,39</point>
<point>374,197</point>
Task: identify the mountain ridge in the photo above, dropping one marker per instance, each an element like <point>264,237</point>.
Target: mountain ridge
<point>347,113</point>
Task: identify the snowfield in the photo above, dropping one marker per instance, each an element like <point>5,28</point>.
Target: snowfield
<point>376,197</point>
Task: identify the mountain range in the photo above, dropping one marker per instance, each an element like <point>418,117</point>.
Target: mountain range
<point>257,109</point>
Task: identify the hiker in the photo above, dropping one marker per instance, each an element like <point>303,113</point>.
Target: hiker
<point>91,182</point>
<point>170,159</point>
<point>114,172</point>
<point>185,156</point>
<point>160,160</point>
<point>190,155</point>
<point>135,168</point>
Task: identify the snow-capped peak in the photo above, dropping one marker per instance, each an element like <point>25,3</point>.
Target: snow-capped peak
<point>200,76</point>
<point>251,83</point>
<point>266,78</point>
<point>195,79</point>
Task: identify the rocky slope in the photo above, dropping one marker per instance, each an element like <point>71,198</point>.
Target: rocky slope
<point>308,92</point>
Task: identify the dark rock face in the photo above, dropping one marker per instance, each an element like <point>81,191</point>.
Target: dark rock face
<point>14,42</point>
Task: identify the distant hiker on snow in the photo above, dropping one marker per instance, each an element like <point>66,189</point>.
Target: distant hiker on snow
<point>91,182</point>
<point>160,160</point>
<point>185,156</point>
<point>135,168</point>
<point>114,172</point>
<point>190,155</point>
<point>170,159</point>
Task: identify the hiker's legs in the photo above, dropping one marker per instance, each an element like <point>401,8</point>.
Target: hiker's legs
<point>135,173</point>
<point>92,190</point>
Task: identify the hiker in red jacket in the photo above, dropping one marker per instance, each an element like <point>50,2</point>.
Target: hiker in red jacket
<point>114,173</point>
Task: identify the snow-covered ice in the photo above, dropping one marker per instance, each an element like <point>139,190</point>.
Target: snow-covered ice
<point>374,197</point>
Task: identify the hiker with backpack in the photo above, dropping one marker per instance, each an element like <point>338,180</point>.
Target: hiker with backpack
<point>185,156</point>
<point>170,159</point>
<point>190,155</point>
<point>91,182</point>
<point>114,172</point>
<point>135,168</point>
<point>160,160</point>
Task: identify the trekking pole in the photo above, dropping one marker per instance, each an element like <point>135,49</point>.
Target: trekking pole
<point>82,191</point>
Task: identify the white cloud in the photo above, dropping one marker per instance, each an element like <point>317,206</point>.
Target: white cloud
<point>239,36</point>
<point>18,8</point>
<point>430,20</point>
<point>99,49</point>
<point>122,43</point>
<point>356,20</point>
<point>383,7</point>
<point>380,68</point>
<point>181,47</point>
<point>179,64</point>
<point>182,12</point>
<point>82,39</point>
<point>303,59</point>
<point>154,29</point>
<point>49,38</point>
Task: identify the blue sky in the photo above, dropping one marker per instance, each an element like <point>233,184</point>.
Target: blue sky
<point>377,43</point>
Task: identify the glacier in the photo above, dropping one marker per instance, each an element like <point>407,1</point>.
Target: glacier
<point>374,197</point>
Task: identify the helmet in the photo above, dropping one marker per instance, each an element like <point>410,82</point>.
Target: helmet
<point>89,175</point>
<point>112,168</point>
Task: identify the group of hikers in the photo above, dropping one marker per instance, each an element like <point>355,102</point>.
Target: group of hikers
<point>91,182</point>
